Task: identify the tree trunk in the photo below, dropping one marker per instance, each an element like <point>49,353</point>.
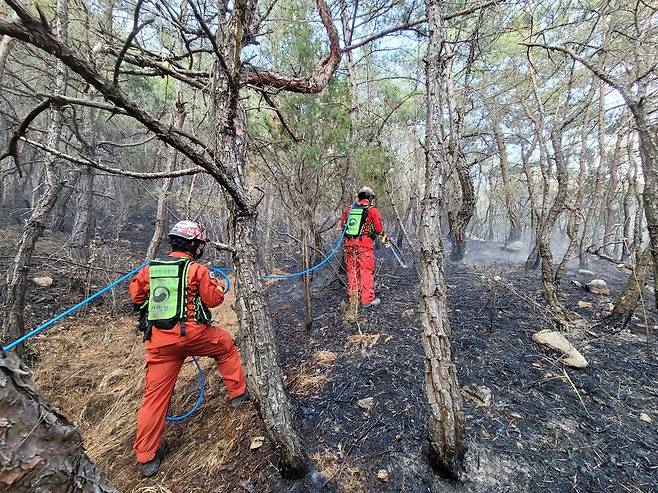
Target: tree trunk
<point>83,222</point>
<point>627,301</point>
<point>534,258</point>
<point>550,282</point>
<point>576,215</point>
<point>14,322</point>
<point>61,207</point>
<point>162,211</point>
<point>648,134</point>
<point>6,44</point>
<point>40,450</point>
<point>259,352</point>
<point>639,216</point>
<point>465,213</point>
<point>608,212</point>
<point>308,304</point>
<point>17,276</point>
<point>626,208</point>
<point>446,421</point>
<point>598,184</point>
<point>515,221</point>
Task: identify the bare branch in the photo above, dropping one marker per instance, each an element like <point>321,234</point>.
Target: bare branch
<point>268,99</point>
<point>213,42</point>
<point>66,100</point>
<point>605,77</point>
<point>162,69</point>
<point>32,31</point>
<point>410,25</point>
<point>136,28</point>
<point>12,147</point>
<point>222,246</point>
<point>115,171</point>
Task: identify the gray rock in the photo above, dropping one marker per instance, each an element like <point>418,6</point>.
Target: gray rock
<point>598,286</point>
<point>43,282</point>
<point>570,355</point>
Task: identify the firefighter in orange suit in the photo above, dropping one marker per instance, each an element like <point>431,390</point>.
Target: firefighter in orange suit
<point>364,222</point>
<point>175,294</point>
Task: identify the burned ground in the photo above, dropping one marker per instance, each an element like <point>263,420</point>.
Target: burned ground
<point>548,428</point>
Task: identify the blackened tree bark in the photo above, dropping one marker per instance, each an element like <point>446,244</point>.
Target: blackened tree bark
<point>446,421</point>
<point>40,450</point>
<point>264,375</point>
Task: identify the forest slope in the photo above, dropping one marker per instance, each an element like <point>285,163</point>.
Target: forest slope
<point>358,391</point>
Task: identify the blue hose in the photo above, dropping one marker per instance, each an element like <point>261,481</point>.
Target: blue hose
<point>199,400</point>
<point>50,322</point>
<point>220,271</point>
<point>333,252</point>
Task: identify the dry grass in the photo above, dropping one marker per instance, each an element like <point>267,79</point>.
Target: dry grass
<point>352,311</point>
<point>325,358</point>
<point>309,379</point>
<point>336,465</point>
<point>99,384</point>
<point>364,341</point>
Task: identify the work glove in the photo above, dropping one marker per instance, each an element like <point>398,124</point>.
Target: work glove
<point>384,239</point>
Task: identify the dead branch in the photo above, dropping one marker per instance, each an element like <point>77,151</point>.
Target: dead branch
<point>135,30</point>
<point>410,25</point>
<point>607,78</point>
<point>222,246</point>
<point>268,99</point>
<point>12,147</point>
<point>160,69</point>
<point>213,42</point>
<point>115,171</point>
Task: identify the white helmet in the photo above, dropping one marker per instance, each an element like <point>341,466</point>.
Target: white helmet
<point>368,191</point>
<point>188,230</point>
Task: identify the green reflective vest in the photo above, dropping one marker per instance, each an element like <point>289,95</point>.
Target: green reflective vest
<point>167,290</point>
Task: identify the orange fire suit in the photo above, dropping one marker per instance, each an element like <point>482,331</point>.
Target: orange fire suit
<point>360,256</point>
<point>166,351</point>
